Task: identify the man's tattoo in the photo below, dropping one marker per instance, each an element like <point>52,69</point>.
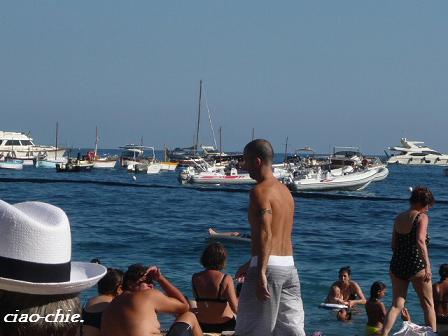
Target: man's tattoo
<point>263,212</point>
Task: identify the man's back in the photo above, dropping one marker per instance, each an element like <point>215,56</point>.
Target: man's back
<point>272,197</point>
<point>131,314</point>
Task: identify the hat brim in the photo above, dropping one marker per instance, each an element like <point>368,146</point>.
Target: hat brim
<point>82,276</point>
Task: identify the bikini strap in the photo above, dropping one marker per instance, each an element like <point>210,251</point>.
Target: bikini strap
<point>221,285</point>
<point>195,292</point>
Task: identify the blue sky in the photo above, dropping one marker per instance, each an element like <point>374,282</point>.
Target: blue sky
<point>323,73</point>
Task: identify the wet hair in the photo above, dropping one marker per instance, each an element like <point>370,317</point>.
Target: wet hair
<point>214,257</point>
<point>347,317</point>
<point>133,274</point>
<point>376,289</point>
<point>443,272</point>
<point>423,196</point>
<point>110,282</point>
<point>260,148</point>
<point>346,269</point>
<point>95,261</point>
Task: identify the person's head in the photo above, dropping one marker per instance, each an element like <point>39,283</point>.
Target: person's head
<point>344,314</point>
<point>345,274</point>
<point>335,291</point>
<point>214,257</point>
<point>258,157</point>
<point>95,261</point>
<point>135,278</point>
<point>377,290</point>
<point>112,282</point>
<point>443,272</point>
<point>37,276</point>
<point>421,199</point>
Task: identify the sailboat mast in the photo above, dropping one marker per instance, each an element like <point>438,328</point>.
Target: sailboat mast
<point>220,144</point>
<point>56,144</point>
<point>286,149</point>
<point>253,134</point>
<point>96,140</point>
<point>199,118</point>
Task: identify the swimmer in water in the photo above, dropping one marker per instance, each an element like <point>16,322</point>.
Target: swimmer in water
<point>351,291</point>
<point>335,296</point>
<point>375,309</point>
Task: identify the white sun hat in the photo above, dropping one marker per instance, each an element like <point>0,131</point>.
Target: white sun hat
<point>35,252</point>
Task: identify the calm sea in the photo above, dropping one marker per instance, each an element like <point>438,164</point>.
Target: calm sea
<point>155,220</point>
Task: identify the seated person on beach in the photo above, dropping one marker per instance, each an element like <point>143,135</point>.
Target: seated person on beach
<point>335,296</point>
<point>214,292</point>
<point>212,233</point>
<point>134,312</point>
<point>440,293</point>
<point>351,291</point>
<point>108,288</point>
<point>375,309</point>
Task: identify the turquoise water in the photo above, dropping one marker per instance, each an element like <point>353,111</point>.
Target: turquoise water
<point>155,220</point>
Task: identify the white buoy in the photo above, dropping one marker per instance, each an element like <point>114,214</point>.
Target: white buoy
<point>134,178</point>
<point>410,189</point>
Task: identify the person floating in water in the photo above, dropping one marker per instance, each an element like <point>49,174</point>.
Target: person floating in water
<point>375,309</point>
<point>214,233</point>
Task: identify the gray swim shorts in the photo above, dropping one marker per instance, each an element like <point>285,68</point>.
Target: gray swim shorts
<point>282,314</point>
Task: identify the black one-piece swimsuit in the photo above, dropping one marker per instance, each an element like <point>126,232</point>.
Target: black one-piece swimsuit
<point>406,259</point>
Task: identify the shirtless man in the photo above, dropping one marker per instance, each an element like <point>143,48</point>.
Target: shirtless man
<point>134,313</point>
<point>270,302</point>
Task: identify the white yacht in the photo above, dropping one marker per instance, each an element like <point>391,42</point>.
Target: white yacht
<point>21,147</point>
<point>415,153</point>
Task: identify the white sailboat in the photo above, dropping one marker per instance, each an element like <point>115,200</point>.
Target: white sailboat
<point>104,162</point>
<point>49,160</point>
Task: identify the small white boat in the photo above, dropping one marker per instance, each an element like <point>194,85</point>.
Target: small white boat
<point>222,175</point>
<point>11,164</point>
<point>49,163</point>
<point>104,162</point>
<point>149,166</point>
<point>168,166</point>
<point>335,180</point>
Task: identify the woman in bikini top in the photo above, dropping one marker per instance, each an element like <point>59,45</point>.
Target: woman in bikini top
<point>214,292</point>
<point>440,292</point>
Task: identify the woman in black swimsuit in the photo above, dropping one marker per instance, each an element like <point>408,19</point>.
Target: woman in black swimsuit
<point>214,292</point>
<point>108,288</point>
<point>410,259</point>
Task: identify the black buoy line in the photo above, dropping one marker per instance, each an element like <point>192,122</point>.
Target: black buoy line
<point>310,195</point>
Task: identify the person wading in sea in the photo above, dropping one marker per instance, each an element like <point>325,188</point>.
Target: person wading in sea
<point>270,302</point>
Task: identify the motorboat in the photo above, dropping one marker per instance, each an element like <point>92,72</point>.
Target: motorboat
<point>341,179</point>
<point>20,146</point>
<point>345,156</point>
<point>222,175</point>
<point>415,153</point>
<point>132,154</point>
<point>74,165</point>
<point>149,165</point>
<point>11,164</point>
